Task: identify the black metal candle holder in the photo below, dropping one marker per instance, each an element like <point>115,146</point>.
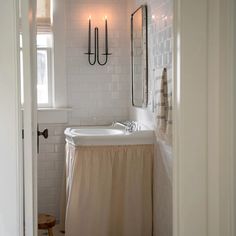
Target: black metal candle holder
<point>96,54</point>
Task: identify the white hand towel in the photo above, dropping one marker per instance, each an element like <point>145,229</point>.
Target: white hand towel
<point>169,121</point>
<point>162,106</point>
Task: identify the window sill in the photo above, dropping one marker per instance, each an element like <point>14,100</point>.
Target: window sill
<point>54,109</point>
<point>53,115</point>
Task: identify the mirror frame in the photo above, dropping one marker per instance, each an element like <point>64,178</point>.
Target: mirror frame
<point>145,44</point>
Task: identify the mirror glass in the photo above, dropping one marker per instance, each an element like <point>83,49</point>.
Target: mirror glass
<point>139,57</point>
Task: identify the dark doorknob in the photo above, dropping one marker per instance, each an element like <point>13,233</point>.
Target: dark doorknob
<point>44,133</point>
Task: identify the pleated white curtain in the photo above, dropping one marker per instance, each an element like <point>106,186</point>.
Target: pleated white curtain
<point>108,191</point>
<point>43,12</point>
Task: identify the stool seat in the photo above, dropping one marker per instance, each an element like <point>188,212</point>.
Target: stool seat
<point>46,221</point>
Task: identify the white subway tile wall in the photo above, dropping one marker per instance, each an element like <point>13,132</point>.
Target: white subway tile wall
<point>50,169</point>
<point>97,94</point>
<point>160,45</point>
<point>160,53</point>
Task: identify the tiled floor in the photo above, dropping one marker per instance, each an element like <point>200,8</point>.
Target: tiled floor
<point>56,232</point>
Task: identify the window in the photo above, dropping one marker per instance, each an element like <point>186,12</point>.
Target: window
<point>44,56</point>
<point>52,92</point>
<point>44,69</point>
<point>44,13</point>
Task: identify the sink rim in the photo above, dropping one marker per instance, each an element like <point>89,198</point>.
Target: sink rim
<point>95,131</point>
<point>135,138</point>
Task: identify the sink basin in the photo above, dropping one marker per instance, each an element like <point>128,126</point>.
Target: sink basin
<point>107,135</point>
<point>96,132</point>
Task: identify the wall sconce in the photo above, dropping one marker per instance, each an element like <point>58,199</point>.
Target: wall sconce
<point>96,57</point>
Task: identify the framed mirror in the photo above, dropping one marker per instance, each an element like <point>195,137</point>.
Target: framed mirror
<point>139,59</point>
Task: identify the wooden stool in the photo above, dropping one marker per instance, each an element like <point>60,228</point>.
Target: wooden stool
<point>46,222</point>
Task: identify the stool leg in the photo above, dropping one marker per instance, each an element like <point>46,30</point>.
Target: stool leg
<point>50,233</point>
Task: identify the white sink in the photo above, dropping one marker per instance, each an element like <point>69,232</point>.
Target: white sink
<point>107,135</point>
<point>96,131</point>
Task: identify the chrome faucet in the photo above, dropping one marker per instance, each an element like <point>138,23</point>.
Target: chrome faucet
<point>130,126</point>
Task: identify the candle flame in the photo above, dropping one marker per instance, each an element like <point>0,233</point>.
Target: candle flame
<point>105,17</point>
<point>89,18</point>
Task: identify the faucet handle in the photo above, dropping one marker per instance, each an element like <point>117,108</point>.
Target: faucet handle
<point>132,126</point>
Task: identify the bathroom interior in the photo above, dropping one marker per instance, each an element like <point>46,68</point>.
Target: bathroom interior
<point>104,86</point>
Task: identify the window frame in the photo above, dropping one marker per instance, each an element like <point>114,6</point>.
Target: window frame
<point>50,70</point>
<point>50,77</point>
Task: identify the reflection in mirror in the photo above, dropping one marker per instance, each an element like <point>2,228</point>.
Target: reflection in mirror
<point>139,57</point>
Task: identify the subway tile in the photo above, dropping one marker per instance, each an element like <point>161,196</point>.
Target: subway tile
<point>46,148</point>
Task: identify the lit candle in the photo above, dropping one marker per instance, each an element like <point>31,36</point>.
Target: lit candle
<point>89,35</point>
<point>106,35</point>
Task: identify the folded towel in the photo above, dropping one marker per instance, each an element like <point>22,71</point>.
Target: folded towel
<point>162,105</point>
<point>164,109</point>
<point>169,121</point>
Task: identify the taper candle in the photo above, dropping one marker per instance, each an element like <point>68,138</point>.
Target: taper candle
<point>89,36</point>
<point>106,35</point>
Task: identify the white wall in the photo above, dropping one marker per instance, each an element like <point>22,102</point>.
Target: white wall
<point>97,94</point>
<point>50,169</point>
<point>160,26</point>
<point>10,181</point>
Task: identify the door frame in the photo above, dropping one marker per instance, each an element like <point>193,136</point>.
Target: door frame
<point>192,196</point>
<point>28,15</point>
<point>204,193</point>
<point>190,118</point>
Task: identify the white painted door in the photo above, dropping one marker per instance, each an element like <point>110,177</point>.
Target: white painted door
<point>28,9</point>
<point>11,197</point>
